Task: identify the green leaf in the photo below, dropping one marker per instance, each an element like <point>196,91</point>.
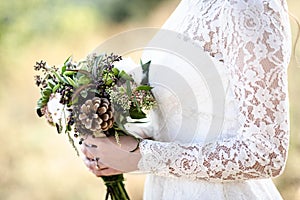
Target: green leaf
<point>68,60</point>
<point>136,114</point>
<point>128,88</point>
<point>60,78</point>
<point>125,76</point>
<point>51,83</point>
<point>63,69</point>
<point>55,88</point>
<point>48,88</point>
<point>69,72</point>
<point>115,71</point>
<point>47,92</point>
<point>144,87</point>
<point>109,81</point>
<point>70,81</point>
<point>44,100</point>
<point>145,69</point>
<point>41,103</point>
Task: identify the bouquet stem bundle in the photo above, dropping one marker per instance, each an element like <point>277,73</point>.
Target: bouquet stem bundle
<point>115,187</point>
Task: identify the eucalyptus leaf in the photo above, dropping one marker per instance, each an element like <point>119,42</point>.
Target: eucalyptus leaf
<point>97,66</point>
<point>83,80</point>
<point>94,90</point>
<point>83,66</point>
<point>84,93</point>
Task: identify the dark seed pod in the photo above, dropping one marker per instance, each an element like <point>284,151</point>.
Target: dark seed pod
<point>39,112</point>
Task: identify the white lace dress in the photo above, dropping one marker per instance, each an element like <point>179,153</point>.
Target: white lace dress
<point>249,41</point>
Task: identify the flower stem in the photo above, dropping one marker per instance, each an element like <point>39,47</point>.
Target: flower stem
<point>115,188</point>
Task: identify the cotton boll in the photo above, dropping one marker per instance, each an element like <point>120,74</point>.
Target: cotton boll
<point>58,111</point>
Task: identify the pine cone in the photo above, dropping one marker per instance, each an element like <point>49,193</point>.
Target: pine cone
<point>97,114</point>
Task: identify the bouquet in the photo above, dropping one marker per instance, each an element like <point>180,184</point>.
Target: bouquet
<point>93,98</point>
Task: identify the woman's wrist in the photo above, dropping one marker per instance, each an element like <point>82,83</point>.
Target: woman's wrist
<point>116,153</point>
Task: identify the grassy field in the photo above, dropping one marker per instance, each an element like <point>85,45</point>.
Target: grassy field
<point>37,163</point>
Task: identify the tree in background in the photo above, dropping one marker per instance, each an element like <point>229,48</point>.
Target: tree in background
<point>118,11</point>
<point>26,20</point>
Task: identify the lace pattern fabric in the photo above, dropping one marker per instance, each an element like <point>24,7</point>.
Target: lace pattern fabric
<point>251,40</point>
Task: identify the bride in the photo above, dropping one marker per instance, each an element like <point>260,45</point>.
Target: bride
<point>249,43</point>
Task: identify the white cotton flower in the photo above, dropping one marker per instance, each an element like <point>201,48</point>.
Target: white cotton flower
<point>57,110</point>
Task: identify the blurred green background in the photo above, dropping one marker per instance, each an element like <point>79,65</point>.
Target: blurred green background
<point>35,162</point>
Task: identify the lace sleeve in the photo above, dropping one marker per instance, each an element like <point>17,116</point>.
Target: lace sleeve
<point>256,53</point>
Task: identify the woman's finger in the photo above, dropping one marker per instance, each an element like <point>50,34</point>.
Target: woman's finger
<point>93,164</point>
<point>107,172</point>
<point>99,169</point>
<point>89,164</point>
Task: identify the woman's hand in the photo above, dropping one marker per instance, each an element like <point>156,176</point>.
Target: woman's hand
<point>95,165</point>
<point>104,156</point>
